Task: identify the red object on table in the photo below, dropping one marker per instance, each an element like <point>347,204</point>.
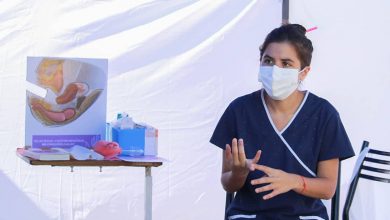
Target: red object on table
<point>107,148</point>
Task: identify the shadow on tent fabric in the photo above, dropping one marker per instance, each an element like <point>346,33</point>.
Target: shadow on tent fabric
<point>14,204</point>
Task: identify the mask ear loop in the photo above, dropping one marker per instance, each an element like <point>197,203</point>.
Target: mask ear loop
<point>301,87</point>
<point>300,82</point>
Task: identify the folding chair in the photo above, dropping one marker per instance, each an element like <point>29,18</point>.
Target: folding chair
<point>334,206</point>
<point>373,169</point>
<point>229,200</point>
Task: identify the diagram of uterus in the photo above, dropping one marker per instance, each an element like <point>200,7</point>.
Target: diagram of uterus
<point>71,90</point>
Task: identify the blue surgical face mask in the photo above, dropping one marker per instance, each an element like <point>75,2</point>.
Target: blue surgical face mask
<point>279,83</point>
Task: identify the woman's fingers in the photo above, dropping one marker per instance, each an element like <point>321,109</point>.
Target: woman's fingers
<point>255,160</point>
<point>241,152</point>
<point>271,195</point>
<point>264,188</point>
<point>274,192</point>
<point>262,180</point>
<point>267,170</point>
<point>235,152</point>
<point>228,152</point>
<point>257,157</point>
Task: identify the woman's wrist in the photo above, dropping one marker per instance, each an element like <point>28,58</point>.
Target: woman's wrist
<point>232,181</point>
<point>241,173</point>
<point>300,183</point>
<point>303,184</point>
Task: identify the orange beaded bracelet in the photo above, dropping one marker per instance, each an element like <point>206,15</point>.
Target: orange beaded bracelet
<point>304,184</point>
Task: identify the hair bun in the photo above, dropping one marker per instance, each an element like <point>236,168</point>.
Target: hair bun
<point>299,28</point>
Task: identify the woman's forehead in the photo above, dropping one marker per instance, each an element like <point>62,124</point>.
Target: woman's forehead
<point>281,50</point>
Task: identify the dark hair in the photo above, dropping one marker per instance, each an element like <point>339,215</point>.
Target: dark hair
<point>295,35</point>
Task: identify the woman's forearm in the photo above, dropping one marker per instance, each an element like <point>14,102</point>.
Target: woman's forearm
<point>320,188</point>
<point>278,181</point>
<point>324,185</point>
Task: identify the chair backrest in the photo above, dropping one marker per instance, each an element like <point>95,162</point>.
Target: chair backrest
<point>373,170</point>
<point>334,214</point>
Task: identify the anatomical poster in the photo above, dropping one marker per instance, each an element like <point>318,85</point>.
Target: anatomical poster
<point>66,101</point>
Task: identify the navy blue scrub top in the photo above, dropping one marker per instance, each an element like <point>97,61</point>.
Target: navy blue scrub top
<point>315,133</point>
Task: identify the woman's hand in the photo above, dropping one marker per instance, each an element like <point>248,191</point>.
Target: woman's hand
<point>277,181</point>
<point>236,158</point>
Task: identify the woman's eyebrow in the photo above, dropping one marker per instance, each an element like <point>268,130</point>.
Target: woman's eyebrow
<point>287,60</point>
<point>269,57</point>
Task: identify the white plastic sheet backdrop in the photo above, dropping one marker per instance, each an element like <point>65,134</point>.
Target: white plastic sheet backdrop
<point>173,64</point>
<point>351,69</point>
<point>176,65</point>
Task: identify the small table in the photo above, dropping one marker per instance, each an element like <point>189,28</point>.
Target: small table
<point>103,163</point>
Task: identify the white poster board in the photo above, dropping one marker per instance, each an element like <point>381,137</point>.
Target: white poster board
<point>66,101</point>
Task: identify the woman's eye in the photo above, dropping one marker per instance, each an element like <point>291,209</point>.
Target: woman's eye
<point>267,61</point>
<point>286,64</point>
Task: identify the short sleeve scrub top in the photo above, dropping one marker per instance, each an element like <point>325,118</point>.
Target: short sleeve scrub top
<point>315,133</point>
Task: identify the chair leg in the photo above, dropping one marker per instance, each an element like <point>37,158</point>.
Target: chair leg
<point>334,214</point>
<point>229,199</point>
<point>352,189</point>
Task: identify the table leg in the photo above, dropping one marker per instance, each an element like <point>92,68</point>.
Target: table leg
<point>148,193</point>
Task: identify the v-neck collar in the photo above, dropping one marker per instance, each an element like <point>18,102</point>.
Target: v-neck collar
<point>290,121</point>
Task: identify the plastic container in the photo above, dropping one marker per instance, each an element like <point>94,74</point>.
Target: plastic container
<point>131,141</point>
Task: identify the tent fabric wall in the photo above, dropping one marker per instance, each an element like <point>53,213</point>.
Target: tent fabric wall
<point>176,65</point>
<point>350,68</point>
<point>173,64</point>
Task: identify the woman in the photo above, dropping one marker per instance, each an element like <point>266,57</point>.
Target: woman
<point>294,138</point>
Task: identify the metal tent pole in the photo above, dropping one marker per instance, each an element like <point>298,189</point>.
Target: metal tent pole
<point>285,12</point>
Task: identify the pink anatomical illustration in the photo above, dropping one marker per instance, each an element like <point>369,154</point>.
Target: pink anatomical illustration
<point>71,90</point>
